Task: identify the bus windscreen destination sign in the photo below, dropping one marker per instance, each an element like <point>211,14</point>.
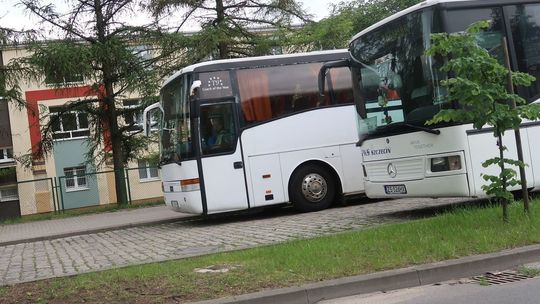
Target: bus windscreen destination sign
<point>215,85</point>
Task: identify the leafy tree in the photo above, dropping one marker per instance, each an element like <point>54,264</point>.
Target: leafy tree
<point>372,11</point>
<point>9,87</point>
<point>480,85</point>
<point>330,33</point>
<point>346,19</point>
<point>116,60</point>
<point>233,28</point>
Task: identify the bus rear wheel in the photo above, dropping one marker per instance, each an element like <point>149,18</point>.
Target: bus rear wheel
<point>312,188</point>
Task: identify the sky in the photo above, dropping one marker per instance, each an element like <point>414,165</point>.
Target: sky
<point>12,16</point>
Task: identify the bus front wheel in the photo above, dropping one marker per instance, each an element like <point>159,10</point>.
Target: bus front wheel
<point>312,188</point>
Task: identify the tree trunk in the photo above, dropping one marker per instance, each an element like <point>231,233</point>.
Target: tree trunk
<point>223,47</point>
<point>519,146</point>
<point>116,145</point>
<point>110,109</point>
<point>118,162</point>
<point>504,201</point>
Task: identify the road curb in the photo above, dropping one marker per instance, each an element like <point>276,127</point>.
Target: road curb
<point>391,279</point>
<point>98,230</point>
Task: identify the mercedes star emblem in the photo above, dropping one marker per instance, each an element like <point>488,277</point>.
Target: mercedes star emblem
<point>391,169</point>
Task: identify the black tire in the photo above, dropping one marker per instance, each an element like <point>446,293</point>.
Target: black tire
<point>312,188</point>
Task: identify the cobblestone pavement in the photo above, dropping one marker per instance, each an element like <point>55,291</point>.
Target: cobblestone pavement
<point>93,252</point>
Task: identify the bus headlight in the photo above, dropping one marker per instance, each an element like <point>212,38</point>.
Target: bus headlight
<point>446,163</point>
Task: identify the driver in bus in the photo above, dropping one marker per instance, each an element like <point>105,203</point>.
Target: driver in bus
<point>219,137</point>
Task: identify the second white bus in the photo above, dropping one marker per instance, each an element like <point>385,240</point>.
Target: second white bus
<point>253,132</point>
<point>399,90</point>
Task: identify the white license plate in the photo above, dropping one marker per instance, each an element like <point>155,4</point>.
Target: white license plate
<point>174,204</point>
<point>395,189</point>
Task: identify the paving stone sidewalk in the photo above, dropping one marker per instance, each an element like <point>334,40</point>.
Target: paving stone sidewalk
<point>48,229</point>
<point>116,248</point>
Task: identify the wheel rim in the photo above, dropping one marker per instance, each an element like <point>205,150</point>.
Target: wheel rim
<point>314,187</point>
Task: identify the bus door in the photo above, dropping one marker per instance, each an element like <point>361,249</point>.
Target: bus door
<point>221,158</point>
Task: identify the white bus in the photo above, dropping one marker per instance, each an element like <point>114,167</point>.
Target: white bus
<point>253,132</point>
<point>403,157</point>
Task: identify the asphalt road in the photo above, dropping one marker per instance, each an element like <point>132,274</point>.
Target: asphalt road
<point>463,291</point>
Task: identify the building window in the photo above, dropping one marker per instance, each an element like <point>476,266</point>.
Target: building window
<point>68,124</point>
<point>56,79</point>
<point>146,172</point>
<point>144,52</point>
<point>6,155</point>
<point>75,178</point>
<point>9,194</point>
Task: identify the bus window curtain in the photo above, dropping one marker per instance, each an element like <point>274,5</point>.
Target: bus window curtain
<point>254,95</point>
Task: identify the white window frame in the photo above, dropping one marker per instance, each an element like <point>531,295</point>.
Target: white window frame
<point>8,198</point>
<point>5,158</point>
<point>77,186</point>
<point>64,82</point>
<point>144,52</point>
<point>70,132</point>
<point>144,165</point>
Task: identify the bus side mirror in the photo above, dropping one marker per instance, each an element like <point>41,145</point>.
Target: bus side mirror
<point>322,79</point>
<point>147,117</point>
<point>324,69</point>
<point>195,88</point>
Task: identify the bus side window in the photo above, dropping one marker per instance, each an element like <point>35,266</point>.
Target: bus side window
<point>525,24</point>
<point>218,131</point>
<point>301,100</point>
<point>254,87</point>
<point>271,92</point>
<point>341,84</point>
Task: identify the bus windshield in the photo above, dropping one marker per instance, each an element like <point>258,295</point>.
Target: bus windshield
<point>176,127</point>
<point>398,84</point>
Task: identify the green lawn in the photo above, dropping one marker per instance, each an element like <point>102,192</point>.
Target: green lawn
<point>458,233</point>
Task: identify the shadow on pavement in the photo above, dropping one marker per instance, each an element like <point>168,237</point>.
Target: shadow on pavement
<point>286,210</point>
<point>269,212</point>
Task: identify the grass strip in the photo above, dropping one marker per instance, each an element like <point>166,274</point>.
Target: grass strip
<point>460,232</point>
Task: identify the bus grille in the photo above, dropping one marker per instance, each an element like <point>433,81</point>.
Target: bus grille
<point>405,169</point>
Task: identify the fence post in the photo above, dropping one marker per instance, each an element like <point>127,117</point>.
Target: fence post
<point>61,193</point>
<point>56,186</point>
<point>53,193</point>
<point>128,186</point>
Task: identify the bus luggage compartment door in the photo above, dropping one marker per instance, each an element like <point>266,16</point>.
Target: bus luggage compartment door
<point>266,181</point>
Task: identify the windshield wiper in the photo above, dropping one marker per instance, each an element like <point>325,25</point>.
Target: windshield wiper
<point>421,128</point>
<point>394,126</point>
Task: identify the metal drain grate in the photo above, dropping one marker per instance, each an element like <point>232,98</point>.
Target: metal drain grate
<point>495,278</point>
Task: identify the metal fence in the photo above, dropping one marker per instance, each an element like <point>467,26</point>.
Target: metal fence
<point>79,189</point>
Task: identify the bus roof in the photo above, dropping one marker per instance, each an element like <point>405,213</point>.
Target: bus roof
<point>429,3</point>
<point>223,64</point>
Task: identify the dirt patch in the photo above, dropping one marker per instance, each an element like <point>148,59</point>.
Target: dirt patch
<point>150,291</point>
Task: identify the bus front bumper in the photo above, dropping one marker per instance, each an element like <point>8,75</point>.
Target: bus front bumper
<point>185,202</point>
<point>441,186</point>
